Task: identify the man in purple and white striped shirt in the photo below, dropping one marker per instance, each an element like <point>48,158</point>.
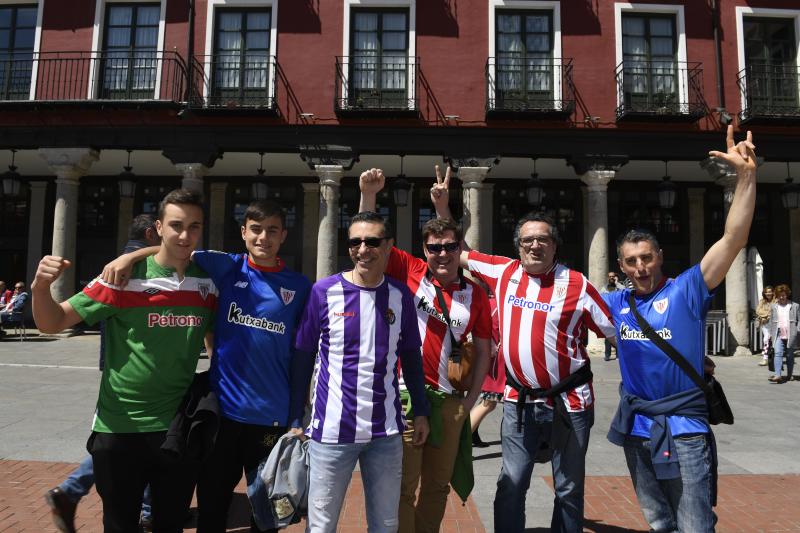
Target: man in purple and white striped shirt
<point>360,322</point>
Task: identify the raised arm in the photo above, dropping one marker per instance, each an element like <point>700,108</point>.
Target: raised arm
<point>118,271</point>
<point>49,315</point>
<point>717,261</point>
<point>440,197</point>
<point>371,182</point>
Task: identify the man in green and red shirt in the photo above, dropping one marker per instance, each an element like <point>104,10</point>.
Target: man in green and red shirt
<point>155,329</point>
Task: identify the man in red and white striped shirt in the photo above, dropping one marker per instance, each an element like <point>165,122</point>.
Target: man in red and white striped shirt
<point>432,280</point>
<point>544,309</point>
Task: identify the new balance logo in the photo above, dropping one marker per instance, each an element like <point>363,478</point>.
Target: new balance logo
<point>151,291</point>
<point>240,284</point>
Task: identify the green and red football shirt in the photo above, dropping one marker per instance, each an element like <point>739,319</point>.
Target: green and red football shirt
<point>154,331</point>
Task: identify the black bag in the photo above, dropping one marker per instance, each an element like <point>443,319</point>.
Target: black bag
<point>719,411</point>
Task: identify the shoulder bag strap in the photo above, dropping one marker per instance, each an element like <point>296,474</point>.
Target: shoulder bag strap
<point>666,347</point>
<point>445,312</point>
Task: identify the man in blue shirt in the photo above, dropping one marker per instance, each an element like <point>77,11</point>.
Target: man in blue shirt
<point>674,486</point>
<point>259,305</point>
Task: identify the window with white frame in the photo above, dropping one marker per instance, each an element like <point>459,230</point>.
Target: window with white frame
<point>770,54</point>
<point>649,61</point>
<point>130,52</point>
<point>17,36</point>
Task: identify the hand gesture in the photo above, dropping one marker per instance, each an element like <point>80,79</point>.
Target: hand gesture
<point>741,156</point>
<point>440,191</point>
<point>118,271</point>
<point>49,270</point>
<point>371,181</point>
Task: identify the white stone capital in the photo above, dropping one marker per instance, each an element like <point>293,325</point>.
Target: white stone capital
<point>472,177</point>
<point>69,164</point>
<point>597,180</point>
<point>192,170</point>
<point>330,175</point>
<point>727,181</point>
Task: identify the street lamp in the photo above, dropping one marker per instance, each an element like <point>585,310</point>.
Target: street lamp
<point>533,189</point>
<point>127,185</point>
<point>11,178</point>
<point>666,191</point>
<point>259,190</point>
<point>401,188</point>
<point>790,193</point>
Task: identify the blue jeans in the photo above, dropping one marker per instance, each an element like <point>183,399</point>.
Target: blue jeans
<point>80,482</point>
<point>669,505</point>
<point>519,451</point>
<point>330,469</point>
<point>780,352</point>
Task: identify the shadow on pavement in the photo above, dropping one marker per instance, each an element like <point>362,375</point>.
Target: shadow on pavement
<point>591,526</point>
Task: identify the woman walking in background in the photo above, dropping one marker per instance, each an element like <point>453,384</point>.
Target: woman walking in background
<point>762,314</point>
<point>783,323</point>
<point>493,384</point>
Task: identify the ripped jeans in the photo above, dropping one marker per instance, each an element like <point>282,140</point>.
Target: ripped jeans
<point>331,467</point>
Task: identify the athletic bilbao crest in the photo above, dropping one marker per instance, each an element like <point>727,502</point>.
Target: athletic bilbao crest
<point>661,305</point>
<point>461,298</point>
<point>287,296</point>
<point>203,289</point>
<point>561,291</point>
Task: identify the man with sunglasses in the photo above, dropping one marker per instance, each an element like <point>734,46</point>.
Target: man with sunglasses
<point>544,309</point>
<point>434,280</point>
<point>16,304</point>
<point>360,322</point>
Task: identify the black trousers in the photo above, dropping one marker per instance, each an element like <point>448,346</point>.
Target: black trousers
<point>124,464</point>
<point>239,448</point>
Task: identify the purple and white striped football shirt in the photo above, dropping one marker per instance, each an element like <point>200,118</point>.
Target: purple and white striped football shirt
<point>359,333</point>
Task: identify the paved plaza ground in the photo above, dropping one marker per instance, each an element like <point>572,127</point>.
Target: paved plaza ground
<point>48,388</point>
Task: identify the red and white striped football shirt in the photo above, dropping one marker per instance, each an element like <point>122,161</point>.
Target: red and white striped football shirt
<point>467,305</point>
<point>542,320</point>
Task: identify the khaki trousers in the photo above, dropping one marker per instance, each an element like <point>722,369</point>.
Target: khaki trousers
<point>431,468</point>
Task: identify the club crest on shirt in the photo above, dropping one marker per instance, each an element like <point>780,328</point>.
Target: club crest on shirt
<point>561,291</point>
<point>461,298</point>
<point>287,296</point>
<point>661,305</point>
<point>203,289</point>
<point>390,316</point>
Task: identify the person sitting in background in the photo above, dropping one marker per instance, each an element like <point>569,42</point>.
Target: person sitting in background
<point>5,294</point>
<point>783,321</point>
<point>763,312</point>
<point>15,304</point>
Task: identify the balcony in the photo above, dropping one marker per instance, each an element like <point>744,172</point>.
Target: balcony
<point>660,91</point>
<point>529,87</point>
<point>128,78</point>
<point>368,86</point>
<point>235,82</point>
<point>770,94</point>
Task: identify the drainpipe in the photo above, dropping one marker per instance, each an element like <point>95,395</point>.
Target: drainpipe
<point>190,61</point>
<point>718,54</point>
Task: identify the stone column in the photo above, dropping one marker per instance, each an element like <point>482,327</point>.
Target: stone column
<point>68,164</point>
<point>596,225</point>
<point>472,180</point>
<point>124,219</point>
<point>736,284</point>
<point>310,228</point>
<point>487,215</point>
<point>35,228</point>
<point>404,225</point>
<point>330,177</point>
<point>794,250</point>
<point>193,174</point>
<point>697,228</point>
<point>216,215</point>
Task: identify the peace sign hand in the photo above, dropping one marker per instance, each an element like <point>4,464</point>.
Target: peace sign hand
<point>440,191</point>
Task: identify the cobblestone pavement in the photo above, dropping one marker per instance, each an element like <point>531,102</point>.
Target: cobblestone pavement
<point>48,388</point>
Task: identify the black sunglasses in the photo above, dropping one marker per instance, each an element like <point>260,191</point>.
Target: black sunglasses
<point>371,242</point>
<point>448,247</point>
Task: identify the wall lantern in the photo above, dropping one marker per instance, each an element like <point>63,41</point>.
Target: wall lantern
<point>126,181</point>
<point>12,182</point>
<point>790,193</point>
<point>259,190</point>
<point>666,191</point>
<point>533,189</point>
<point>401,188</point>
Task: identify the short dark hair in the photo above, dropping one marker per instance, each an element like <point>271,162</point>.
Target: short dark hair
<point>537,217</point>
<point>636,235</point>
<point>180,197</point>
<point>139,226</point>
<point>258,210</point>
<point>374,218</point>
<point>439,226</point>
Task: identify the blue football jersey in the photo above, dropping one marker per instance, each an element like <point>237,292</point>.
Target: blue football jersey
<point>677,311</point>
<point>257,314</point>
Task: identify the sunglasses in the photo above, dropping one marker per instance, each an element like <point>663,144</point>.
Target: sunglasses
<point>371,242</point>
<point>448,247</point>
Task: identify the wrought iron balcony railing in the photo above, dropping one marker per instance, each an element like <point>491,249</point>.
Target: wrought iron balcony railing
<point>376,85</point>
<point>89,76</point>
<point>770,92</point>
<point>528,85</point>
<point>234,81</point>
<point>662,90</point>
